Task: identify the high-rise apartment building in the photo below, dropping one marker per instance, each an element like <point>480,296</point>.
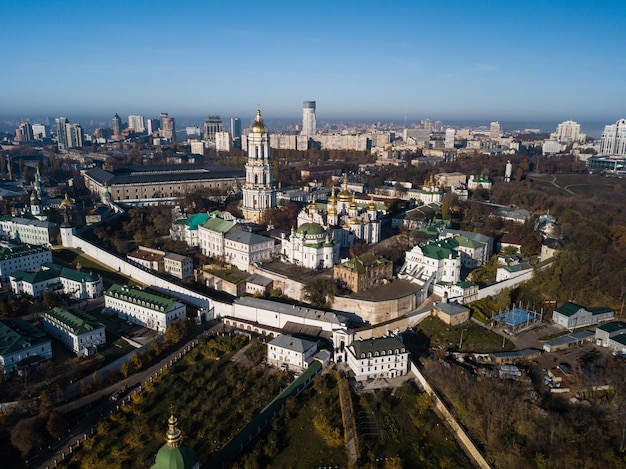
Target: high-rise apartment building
<point>235,127</point>
<point>222,141</point>
<point>449,139</point>
<point>168,127</point>
<point>61,134</point>
<point>212,125</point>
<point>24,132</point>
<point>495,131</point>
<point>117,124</point>
<point>613,141</point>
<point>568,132</point>
<point>308,119</point>
<point>137,124</point>
<point>153,125</point>
<point>41,131</point>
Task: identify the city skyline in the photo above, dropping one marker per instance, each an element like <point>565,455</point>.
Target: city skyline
<point>363,60</point>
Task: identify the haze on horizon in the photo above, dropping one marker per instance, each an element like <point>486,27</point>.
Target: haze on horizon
<point>359,60</point>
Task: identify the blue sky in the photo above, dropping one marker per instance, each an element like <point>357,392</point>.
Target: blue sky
<point>357,59</point>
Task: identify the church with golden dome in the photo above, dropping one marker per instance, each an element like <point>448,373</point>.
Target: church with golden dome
<point>259,189</point>
<point>320,234</point>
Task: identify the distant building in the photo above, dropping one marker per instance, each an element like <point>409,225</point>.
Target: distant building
<point>572,316</point>
<point>167,130</point>
<point>385,357</point>
<point>212,125</point>
<point>137,124</point>
<point>290,353</point>
<point>476,182</point>
<point>22,345</point>
<point>449,138</point>
<point>568,132</point>
<point>223,142</point>
<point>152,126</point>
<point>24,132</point>
<point>41,131</point>
<point>147,309</point>
<point>308,119</point>
<point>117,125</point>
<point>495,131</point>
<point>613,141</point>
<point>68,135</point>
<point>77,330</point>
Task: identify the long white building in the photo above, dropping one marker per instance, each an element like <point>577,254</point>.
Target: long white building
<point>59,279</point>
<point>21,345</point>
<point>25,257</point>
<point>141,307</point>
<point>78,331</point>
<point>28,231</point>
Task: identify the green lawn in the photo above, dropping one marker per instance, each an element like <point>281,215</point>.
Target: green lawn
<point>476,338</point>
<point>87,264</point>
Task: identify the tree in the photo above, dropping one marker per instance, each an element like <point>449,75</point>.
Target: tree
<point>320,292</point>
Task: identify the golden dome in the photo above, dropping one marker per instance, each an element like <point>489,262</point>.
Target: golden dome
<point>372,204</point>
<point>332,211</point>
<point>353,205</point>
<point>258,127</point>
<point>66,202</point>
<point>345,195</point>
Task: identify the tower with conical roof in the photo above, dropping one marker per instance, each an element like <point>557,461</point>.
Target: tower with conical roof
<point>259,190</point>
<point>175,454</point>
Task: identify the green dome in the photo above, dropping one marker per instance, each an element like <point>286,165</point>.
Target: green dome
<point>174,454</point>
<point>311,229</point>
<point>182,457</point>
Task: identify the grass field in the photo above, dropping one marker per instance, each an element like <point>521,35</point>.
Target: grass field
<point>87,264</point>
<point>586,185</point>
<point>475,338</point>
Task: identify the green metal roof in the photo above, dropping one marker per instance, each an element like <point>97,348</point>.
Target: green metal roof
<point>311,229</point>
<point>376,345</point>
<point>19,251</point>
<point>613,326</point>
<point>50,270</point>
<point>78,322</point>
<point>218,224</point>
<point>439,250</point>
<point>359,264</point>
<point>160,304</point>
<point>568,308</point>
<point>17,333</point>
<point>197,219</point>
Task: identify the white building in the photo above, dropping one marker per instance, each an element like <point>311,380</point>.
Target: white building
<point>290,353</point>
<point>25,257</point>
<point>568,132</point>
<point>248,311</point>
<point>609,330</point>
<point>552,147</point>
<point>437,261</point>
<point>137,124</point>
<point>449,139</point>
<point>166,262</point>
<point>242,248</point>
<point>613,141</point>
<point>310,246</point>
<point>384,357</point>
<point>78,331</point>
<point>28,231</point>
<point>223,141</point>
<point>309,126</point>
<point>58,279</point>
<point>572,316</point>
<point>140,307</point>
<point>21,345</point>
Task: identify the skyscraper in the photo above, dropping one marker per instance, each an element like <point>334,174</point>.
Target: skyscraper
<point>153,125</point>
<point>235,127</point>
<point>212,125</point>
<point>168,127</point>
<point>259,190</point>
<point>449,140</point>
<point>308,119</point>
<point>137,124</point>
<point>61,134</point>
<point>117,124</point>
<point>24,133</point>
<point>613,141</point>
